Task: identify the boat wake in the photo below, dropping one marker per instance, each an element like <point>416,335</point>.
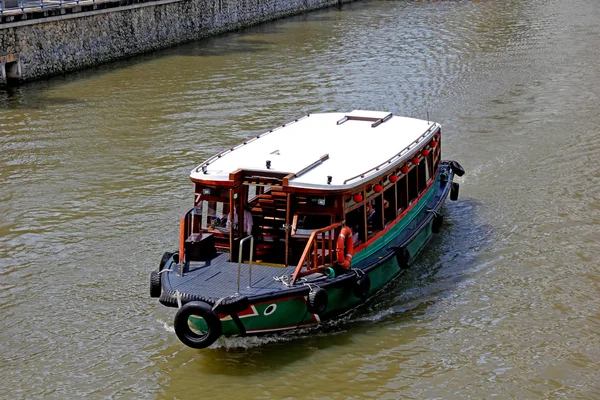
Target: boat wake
<point>166,326</point>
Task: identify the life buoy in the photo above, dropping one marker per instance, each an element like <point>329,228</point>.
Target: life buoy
<point>317,301</point>
<point>190,338</point>
<point>345,247</point>
<point>454,191</point>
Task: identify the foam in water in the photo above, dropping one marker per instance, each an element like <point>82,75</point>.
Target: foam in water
<point>166,326</point>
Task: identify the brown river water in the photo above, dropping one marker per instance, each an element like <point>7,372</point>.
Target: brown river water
<point>503,303</point>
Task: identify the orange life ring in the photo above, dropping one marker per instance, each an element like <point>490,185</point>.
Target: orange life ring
<point>345,247</point>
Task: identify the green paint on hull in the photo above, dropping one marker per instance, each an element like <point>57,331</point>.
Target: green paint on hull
<point>276,315</point>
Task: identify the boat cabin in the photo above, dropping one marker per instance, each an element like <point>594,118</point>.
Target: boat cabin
<point>294,187</point>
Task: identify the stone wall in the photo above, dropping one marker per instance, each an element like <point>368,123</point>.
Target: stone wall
<point>40,47</point>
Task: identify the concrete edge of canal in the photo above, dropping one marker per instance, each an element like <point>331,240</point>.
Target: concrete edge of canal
<point>40,44</point>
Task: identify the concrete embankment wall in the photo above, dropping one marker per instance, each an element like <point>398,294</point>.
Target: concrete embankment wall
<point>53,44</point>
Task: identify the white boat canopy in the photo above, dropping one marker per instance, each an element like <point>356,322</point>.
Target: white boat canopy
<point>325,151</point>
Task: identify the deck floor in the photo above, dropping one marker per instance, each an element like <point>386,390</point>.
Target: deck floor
<point>219,278</point>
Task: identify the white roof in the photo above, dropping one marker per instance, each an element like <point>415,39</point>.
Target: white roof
<point>354,147</point>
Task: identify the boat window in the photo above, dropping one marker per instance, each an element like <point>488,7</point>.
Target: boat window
<point>423,175</point>
<point>391,211</point>
<point>304,224</point>
<point>375,219</point>
<point>355,220</point>
<point>436,156</point>
<point>211,215</point>
<point>402,192</point>
<point>413,190</point>
<point>253,191</point>
<point>430,168</point>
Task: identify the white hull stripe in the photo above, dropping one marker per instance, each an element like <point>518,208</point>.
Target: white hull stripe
<point>254,314</point>
<point>277,329</point>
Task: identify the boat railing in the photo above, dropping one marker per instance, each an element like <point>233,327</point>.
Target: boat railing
<point>397,157</point>
<point>185,230</point>
<point>251,238</point>
<point>319,252</point>
<point>32,5</point>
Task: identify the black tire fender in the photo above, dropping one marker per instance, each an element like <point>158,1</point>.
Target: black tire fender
<point>191,338</point>
<point>457,168</point>
<point>403,257</point>
<point>438,221</point>
<point>155,284</point>
<point>362,286</point>
<point>163,261</point>
<point>454,191</point>
<point>317,301</point>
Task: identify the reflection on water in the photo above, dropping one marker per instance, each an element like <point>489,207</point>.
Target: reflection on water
<point>94,174</point>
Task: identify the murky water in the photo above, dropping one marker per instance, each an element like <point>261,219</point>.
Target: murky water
<point>94,176</point>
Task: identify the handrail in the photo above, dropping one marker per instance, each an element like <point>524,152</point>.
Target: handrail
<point>312,249</point>
<point>240,260</point>
<point>9,6</point>
<point>398,155</point>
<point>41,4</point>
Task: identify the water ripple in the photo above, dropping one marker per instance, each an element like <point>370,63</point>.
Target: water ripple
<point>502,303</point>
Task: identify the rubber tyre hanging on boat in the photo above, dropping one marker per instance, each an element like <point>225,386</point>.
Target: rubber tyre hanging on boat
<point>457,168</point>
<point>438,221</point>
<point>191,338</point>
<point>454,191</point>
<point>165,258</point>
<point>403,257</point>
<point>155,285</point>
<point>362,286</point>
<point>317,301</point>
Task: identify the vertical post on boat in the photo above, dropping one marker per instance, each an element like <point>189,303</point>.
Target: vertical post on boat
<point>192,223</point>
<point>288,227</point>
<point>230,219</point>
<point>365,222</point>
<point>181,244</point>
<point>396,200</point>
<point>240,261</point>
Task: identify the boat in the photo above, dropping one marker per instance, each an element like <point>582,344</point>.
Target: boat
<point>302,223</point>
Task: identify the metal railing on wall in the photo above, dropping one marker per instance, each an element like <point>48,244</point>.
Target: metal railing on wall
<point>23,5</point>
